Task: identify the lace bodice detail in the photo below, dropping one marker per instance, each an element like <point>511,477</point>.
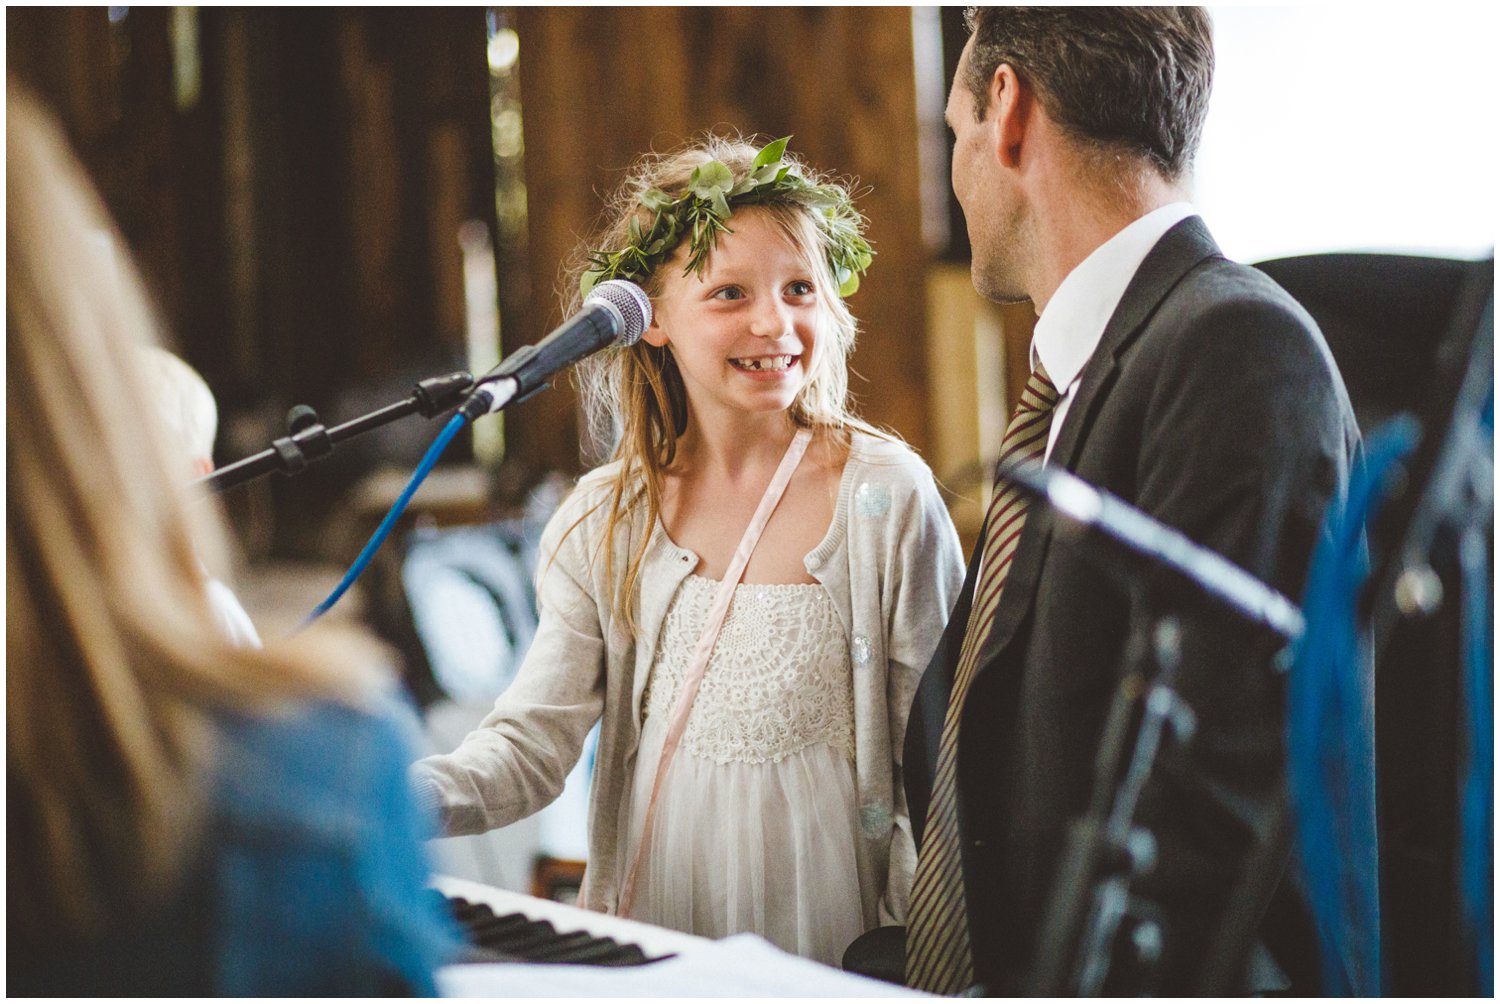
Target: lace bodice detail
<point>778,681</point>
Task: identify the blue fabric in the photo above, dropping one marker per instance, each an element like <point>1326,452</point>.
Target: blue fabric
<point>318,861</point>
<point>1330,732</point>
<point>309,878</point>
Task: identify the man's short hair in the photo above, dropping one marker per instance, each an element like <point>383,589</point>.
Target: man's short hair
<point>1118,78</point>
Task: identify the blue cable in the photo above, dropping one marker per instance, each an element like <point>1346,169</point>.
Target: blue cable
<point>1477,805</point>
<point>457,422</point>
<point>1477,800</point>
<point>1330,731</point>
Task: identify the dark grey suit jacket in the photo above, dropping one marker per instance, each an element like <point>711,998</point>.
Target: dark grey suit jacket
<point>1211,403</point>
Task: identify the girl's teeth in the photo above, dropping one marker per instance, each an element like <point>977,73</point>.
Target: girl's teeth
<point>772,363</point>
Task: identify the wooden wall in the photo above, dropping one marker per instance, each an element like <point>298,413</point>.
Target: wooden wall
<point>298,218</point>
<point>111,85</point>
<point>602,85</point>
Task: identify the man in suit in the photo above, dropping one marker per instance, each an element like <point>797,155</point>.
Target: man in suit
<point>1189,386</point>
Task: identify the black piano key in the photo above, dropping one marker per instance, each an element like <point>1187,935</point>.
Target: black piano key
<point>606,952</point>
<point>469,913</point>
<point>516,937</point>
<point>558,948</point>
<point>535,935</point>
<point>488,921</point>
<point>512,929</point>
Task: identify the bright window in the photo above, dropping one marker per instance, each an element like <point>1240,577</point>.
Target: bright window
<point>1351,128</point>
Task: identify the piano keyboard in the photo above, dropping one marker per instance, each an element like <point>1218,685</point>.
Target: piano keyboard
<point>509,926</point>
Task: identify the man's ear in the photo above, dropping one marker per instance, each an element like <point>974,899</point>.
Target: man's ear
<point>1013,102</point>
<point>655,334</point>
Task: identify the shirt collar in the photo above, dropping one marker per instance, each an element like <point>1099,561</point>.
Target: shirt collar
<point>1073,322</point>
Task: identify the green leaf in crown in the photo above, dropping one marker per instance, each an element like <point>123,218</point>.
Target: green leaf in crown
<point>770,154</point>
<point>701,213</point>
<point>710,179</point>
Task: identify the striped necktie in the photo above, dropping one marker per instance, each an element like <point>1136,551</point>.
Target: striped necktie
<point>938,955</point>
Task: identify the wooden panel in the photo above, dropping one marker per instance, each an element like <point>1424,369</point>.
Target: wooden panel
<point>110,84</point>
<point>966,360</point>
<point>602,85</point>
<point>70,56</point>
<point>299,221</point>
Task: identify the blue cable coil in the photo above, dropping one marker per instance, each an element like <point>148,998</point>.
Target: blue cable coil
<point>457,422</point>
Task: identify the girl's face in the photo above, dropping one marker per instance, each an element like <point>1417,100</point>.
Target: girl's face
<point>744,332</point>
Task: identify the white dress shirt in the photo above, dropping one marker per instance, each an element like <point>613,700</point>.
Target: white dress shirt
<point>1070,327</point>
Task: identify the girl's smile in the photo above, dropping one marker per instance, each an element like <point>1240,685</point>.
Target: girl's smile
<point>775,367</point>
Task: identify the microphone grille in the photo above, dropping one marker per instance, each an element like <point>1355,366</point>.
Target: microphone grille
<point>632,303</point>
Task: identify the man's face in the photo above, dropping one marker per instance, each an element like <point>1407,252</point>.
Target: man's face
<point>986,191</point>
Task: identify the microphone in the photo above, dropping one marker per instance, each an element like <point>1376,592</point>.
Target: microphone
<point>616,312</point>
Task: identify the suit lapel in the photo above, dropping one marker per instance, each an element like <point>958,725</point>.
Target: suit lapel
<point>1177,253</point>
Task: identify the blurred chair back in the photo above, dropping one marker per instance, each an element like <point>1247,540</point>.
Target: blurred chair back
<point>473,607</point>
<point>1383,316</point>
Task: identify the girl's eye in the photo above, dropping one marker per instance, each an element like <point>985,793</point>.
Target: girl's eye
<point>729,293</point>
<point>800,288</point>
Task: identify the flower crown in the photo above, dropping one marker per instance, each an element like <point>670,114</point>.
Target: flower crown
<point>711,196</point>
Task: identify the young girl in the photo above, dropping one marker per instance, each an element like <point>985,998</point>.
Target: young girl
<point>780,811</point>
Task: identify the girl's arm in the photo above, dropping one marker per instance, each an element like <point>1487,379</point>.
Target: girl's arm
<point>516,761</point>
<point>926,578</point>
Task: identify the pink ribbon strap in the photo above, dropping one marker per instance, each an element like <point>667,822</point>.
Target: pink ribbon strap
<point>705,647</point>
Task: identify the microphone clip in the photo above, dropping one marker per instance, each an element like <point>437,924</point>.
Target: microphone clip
<point>307,440</point>
<point>436,395</point>
<point>510,368</point>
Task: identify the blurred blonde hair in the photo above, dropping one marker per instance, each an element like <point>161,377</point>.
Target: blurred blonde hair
<point>635,398</point>
<point>115,667</point>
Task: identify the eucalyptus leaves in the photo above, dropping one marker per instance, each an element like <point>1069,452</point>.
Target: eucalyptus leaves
<point>700,213</point>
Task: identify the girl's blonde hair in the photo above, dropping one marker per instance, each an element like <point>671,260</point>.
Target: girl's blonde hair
<point>115,667</point>
<point>634,397</point>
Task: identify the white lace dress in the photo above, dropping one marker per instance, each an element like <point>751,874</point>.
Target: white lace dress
<point>757,824</point>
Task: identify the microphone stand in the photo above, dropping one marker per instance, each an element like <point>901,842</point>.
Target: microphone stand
<point>615,312</point>
<point>308,440</point>
<point>1105,850</point>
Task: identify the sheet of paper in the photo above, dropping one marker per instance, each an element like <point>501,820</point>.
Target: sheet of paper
<point>740,966</point>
